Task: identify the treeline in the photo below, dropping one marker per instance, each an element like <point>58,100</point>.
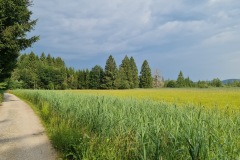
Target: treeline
<point>47,72</point>
<point>183,82</point>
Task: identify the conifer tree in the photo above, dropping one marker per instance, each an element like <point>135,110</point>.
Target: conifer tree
<point>145,76</point>
<point>81,79</point>
<point>35,73</point>
<point>110,74</point>
<point>15,22</point>
<point>95,79</point>
<point>43,57</point>
<point>86,78</point>
<point>180,80</point>
<point>125,74</point>
<point>134,72</point>
<point>121,81</point>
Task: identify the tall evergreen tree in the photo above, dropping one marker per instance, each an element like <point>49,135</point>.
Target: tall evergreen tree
<point>49,60</point>
<point>72,78</point>
<point>81,79</point>
<point>145,76</point>
<point>122,81</point>
<point>86,79</point>
<point>95,79</point>
<point>32,65</point>
<point>125,74</point>
<point>110,74</point>
<point>188,82</point>
<point>43,57</point>
<point>15,22</point>
<point>180,80</point>
<point>134,72</point>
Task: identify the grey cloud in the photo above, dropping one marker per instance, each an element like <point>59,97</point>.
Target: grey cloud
<point>167,30</point>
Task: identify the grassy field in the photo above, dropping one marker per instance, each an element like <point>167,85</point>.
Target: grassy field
<point>104,125</point>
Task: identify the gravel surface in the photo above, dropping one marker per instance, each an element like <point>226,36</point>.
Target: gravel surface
<point>22,136</point>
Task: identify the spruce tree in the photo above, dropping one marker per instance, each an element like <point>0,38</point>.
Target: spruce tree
<point>81,79</point>
<point>110,74</point>
<point>32,69</point>
<point>43,57</point>
<point>134,72</point>
<point>121,81</point>
<point>15,22</point>
<point>125,74</point>
<point>96,75</point>
<point>145,76</point>
<point>180,80</point>
<point>87,78</point>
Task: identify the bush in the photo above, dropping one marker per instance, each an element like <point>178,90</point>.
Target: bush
<point>172,84</point>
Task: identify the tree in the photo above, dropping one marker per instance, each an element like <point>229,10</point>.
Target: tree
<point>110,74</point>
<point>134,73</point>
<point>125,74</point>
<point>95,79</point>
<point>32,65</point>
<point>180,80</point>
<point>202,84</point>
<point>171,84</point>
<point>81,79</point>
<point>33,72</point>
<point>188,82</point>
<point>216,82</point>
<point>157,80</point>
<point>15,23</point>
<point>72,79</point>
<point>43,57</point>
<point>145,76</point>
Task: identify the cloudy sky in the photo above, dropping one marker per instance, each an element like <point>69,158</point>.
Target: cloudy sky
<point>199,37</point>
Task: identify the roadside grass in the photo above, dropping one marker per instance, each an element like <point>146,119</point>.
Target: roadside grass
<point>88,126</point>
<point>2,89</point>
<point>1,96</point>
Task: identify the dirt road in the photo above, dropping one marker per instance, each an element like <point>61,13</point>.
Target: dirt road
<point>22,137</point>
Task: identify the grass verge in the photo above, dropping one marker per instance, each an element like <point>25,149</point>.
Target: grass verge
<point>1,96</point>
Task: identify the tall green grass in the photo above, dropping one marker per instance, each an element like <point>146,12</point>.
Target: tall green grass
<point>1,96</point>
<point>83,126</point>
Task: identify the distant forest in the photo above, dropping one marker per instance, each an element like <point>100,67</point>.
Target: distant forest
<point>47,72</point>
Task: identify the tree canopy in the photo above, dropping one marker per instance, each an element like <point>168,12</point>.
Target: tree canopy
<point>15,23</point>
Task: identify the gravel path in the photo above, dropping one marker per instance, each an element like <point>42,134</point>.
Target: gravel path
<point>22,137</point>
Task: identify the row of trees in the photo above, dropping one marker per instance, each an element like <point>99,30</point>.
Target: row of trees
<point>47,72</point>
<point>182,82</point>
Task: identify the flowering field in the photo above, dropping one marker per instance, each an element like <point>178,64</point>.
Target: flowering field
<point>119,125</point>
<point>210,98</point>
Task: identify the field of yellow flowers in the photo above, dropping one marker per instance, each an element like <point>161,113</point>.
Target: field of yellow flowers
<point>209,98</point>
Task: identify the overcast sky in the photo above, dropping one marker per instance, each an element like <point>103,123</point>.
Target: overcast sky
<point>199,37</point>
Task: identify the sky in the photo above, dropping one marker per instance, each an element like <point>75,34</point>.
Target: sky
<point>199,37</point>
